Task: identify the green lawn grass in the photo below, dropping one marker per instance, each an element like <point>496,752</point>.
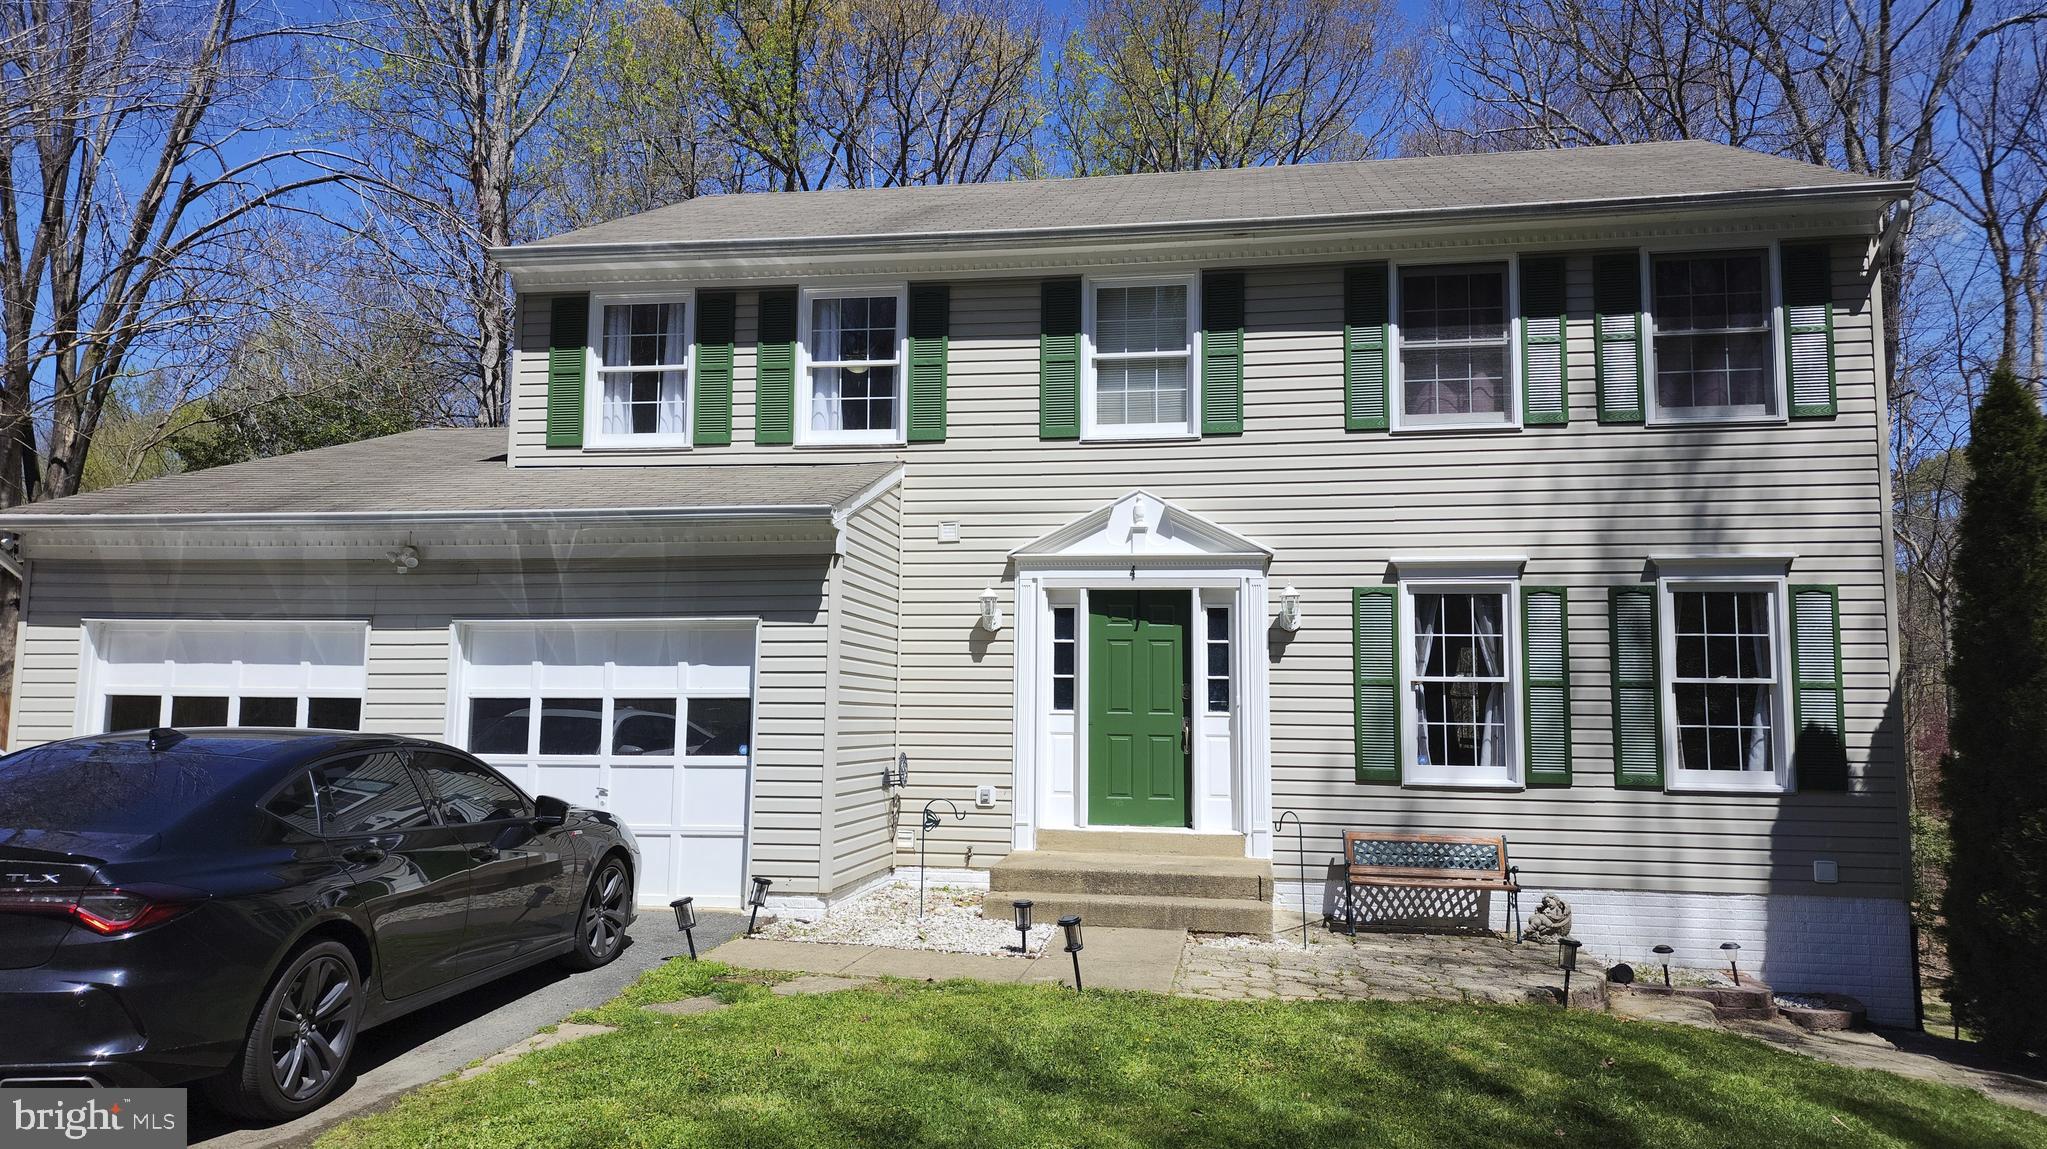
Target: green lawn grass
<point>974,1065</point>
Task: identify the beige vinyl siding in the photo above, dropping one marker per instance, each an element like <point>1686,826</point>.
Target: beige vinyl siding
<point>868,621</point>
<point>410,617</point>
<point>1586,503</point>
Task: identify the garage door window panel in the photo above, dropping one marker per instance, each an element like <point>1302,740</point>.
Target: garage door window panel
<point>186,674</point>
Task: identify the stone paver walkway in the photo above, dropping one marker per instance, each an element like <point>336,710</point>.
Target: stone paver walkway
<point>1114,959</point>
<point>1382,967</point>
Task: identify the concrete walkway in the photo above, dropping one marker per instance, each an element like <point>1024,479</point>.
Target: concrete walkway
<point>1113,959</point>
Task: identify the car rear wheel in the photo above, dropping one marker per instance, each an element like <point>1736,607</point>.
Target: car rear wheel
<point>600,926</point>
<point>298,1047</point>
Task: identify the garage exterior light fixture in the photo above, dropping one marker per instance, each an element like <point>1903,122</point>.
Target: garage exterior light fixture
<point>991,610</point>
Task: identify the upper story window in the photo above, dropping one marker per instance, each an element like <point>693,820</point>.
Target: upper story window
<point>1714,349</point>
<point>1140,358</point>
<point>1727,702</point>
<point>1460,675</point>
<point>853,354</point>
<point>642,360</point>
<point>1456,358</point>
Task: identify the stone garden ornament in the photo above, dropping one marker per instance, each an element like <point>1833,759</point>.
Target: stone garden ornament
<point>1551,921</point>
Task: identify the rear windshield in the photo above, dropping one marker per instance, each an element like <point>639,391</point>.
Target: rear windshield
<point>115,788</point>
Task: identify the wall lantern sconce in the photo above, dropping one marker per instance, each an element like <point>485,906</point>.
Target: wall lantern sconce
<point>1290,610</point>
<point>1567,960</point>
<point>1071,924</point>
<point>403,559</point>
<point>896,776</point>
<point>759,899</point>
<point>991,610</point>
<point>1731,949</point>
<point>686,921</point>
<point>1023,925</point>
<point>1663,954</point>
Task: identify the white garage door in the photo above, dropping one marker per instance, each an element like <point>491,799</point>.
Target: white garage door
<point>141,674</point>
<point>650,720</point>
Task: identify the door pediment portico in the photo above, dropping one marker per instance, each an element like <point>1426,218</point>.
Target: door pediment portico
<point>1144,528</point>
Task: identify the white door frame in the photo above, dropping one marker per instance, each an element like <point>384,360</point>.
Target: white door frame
<point>1142,542</point>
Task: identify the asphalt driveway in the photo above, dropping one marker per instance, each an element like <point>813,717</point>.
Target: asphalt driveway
<point>443,1038</point>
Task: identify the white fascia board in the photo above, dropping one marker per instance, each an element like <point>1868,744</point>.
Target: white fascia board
<point>1458,566</point>
<point>1760,564</point>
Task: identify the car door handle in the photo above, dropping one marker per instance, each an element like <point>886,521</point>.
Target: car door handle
<point>484,853</point>
<point>366,854</point>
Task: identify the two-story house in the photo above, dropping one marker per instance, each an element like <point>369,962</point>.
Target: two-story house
<point>1540,493</point>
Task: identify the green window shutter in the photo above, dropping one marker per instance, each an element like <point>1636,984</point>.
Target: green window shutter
<point>568,341</point>
<point>1637,689</point>
<point>930,341</point>
<point>1222,353</point>
<point>1366,356</point>
<point>713,398</point>
<point>1819,754</point>
<point>1059,359</point>
<point>1617,342</point>
<point>774,372</point>
<point>1808,274</point>
<point>1374,645</point>
<point>1546,683</point>
<point>1545,376</point>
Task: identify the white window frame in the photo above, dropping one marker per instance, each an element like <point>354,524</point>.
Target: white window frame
<point>805,361</point>
<point>1396,368</point>
<point>594,437</point>
<point>1676,778</point>
<point>1413,773</point>
<point>89,716</point>
<point>1773,281</point>
<point>1089,429</point>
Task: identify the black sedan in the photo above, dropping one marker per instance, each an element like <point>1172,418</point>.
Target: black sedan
<point>236,906</point>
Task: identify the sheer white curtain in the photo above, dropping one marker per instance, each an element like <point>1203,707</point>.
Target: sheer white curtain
<point>1485,624</point>
<point>1753,613</point>
<point>669,415</point>
<point>617,416</point>
<point>824,381</point>
<point>1428,623</point>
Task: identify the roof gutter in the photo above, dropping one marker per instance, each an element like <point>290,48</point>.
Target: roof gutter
<point>608,516</point>
<point>540,255</point>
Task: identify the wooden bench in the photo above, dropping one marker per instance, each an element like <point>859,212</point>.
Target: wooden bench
<point>1429,862</point>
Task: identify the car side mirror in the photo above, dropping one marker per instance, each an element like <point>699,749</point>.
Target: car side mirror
<point>549,812</point>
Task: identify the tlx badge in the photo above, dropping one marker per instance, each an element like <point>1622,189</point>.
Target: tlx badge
<point>30,879</point>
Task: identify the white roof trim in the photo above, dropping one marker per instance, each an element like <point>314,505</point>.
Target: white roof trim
<point>1142,529</point>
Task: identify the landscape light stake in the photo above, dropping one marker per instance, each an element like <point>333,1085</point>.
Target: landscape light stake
<point>759,899</point>
<point>1300,853</point>
<point>1022,906</point>
<point>1664,953</point>
<point>923,843</point>
<point>1071,924</point>
<point>686,921</point>
<point>1730,949</point>
<point>1567,960</point>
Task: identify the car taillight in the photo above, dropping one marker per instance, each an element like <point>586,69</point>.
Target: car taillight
<point>105,910</point>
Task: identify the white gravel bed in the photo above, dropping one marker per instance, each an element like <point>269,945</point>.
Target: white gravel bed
<point>888,917</point>
<point>1254,944</point>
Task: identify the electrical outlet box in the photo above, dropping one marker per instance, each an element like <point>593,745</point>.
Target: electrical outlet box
<point>1826,871</point>
<point>984,797</point>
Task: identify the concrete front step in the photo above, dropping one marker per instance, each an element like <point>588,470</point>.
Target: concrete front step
<point>1200,915</point>
<point>1158,843</point>
<point>1146,875</point>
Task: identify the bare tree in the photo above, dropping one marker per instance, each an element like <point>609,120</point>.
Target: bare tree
<point>1178,85</point>
<point>134,173</point>
<point>439,101</point>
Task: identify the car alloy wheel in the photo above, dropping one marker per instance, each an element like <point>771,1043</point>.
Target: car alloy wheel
<point>313,1028</point>
<point>604,912</point>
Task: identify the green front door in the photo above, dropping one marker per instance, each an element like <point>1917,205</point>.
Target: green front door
<point>1137,708</point>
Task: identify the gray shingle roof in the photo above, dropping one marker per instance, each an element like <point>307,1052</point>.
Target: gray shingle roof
<point>1364,189</point>
<point>453,470</point>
